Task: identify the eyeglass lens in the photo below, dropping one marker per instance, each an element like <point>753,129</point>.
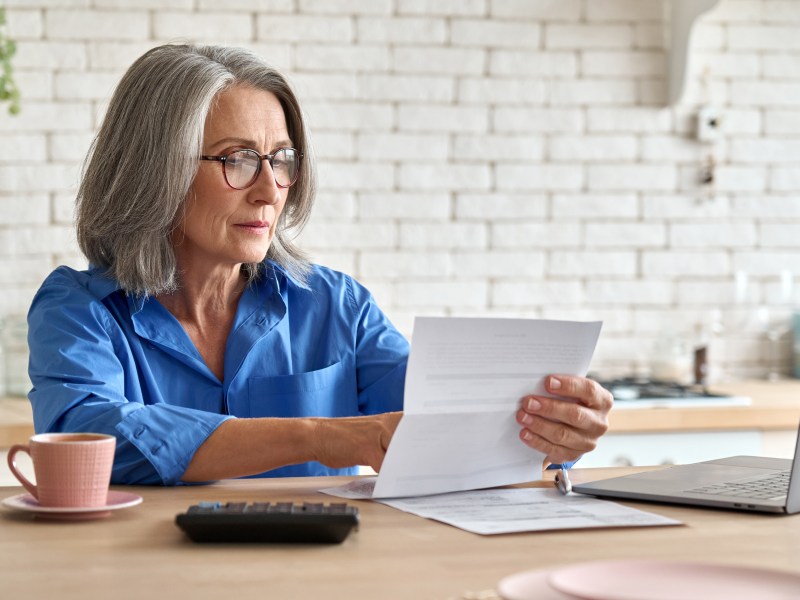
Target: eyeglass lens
<point>242,167</point>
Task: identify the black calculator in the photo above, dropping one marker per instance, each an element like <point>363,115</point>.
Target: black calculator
<point>278,522</point>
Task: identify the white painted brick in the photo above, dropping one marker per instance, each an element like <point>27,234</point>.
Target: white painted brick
<point>349,116</point>
<point>69,147</point>
<point>727,64</point>
<point>625,10</point>
<point>539,177</point>
<point>433,206</point>
<point>22,178</point>
<point>536,10</point>
<point>85,86</point>
<point>23,148</point>
<point>778,235</point>
<point>515,293</point>
<point>22,241</point>
<point>593,206</point>
<point>419,88</point>
<point>625,235</point>
<point>593,92</point>
<point>501,91</point>
<point>495,206</point>
<point>303,29</point>
<point>24,270</point>
<point>709,36</point>
<point>629,119</point>
<point>24,24</point>
<point>50,55</point>
<point>257,6</point>
<point>443,235</point>
<point>782,122</point>
<point>340,58</point>
<point>535,234</point>
<point>356,176</point>
<point>402,146</point>
<point>433,118</point>
<point>652,92</point>
<point>47,3</point>
<point>432,59</point>
<point>593,148</point>
<point>649,36</point>
<point>510,63</point>
<point>741,179</point>
<point>492,148</point>
<point>115,56</point>
<point>456,294</point>
<point>784,179</point>
<point>736,11</point>
<point>592,264</point>
<point>755,37</point>
<point>340,236</point>
<point>537,120</point>
<point>401,265</point>
<point>346,7</point>
<point>629,292</point>
<point>767,207</point>
<point>63,208</point>
<point>278,55</point>
<point>444,177</point>
<point>712,235</point>
<point>673,149</point>
<point>332,144</point>
<point>780,66</point>
<point>34,85</point>
<point>682,206</point>
<point>784,11</point>
<point>334,206</point>
<point>493,264</point>
<point>24,209</point>
<point>444,8</point>
<point>765,262</point>
<point>696,94</point>
<point>623,64</point>
<point>588,36</point>
<point>614,320</point>
<point>151,4</point>
<point>325,86</point>
<point>495,34</point>
<point>47,116</point>
<point>214,26</point>
<point>346,262</point>
<point>774,151</point>
<point>685,264</point>
<point>402,30</point>
<point>742,121</point>
<point>635,177</point>
<point>96,25</point>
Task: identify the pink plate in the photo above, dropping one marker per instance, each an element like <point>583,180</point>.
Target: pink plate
<point>667,580</point>
<point>116,500</point>
<point>529,585</point>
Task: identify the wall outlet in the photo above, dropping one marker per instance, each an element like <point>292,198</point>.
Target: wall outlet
<point>708,124</point>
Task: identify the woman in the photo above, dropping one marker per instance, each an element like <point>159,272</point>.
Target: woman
<point>200,336</point>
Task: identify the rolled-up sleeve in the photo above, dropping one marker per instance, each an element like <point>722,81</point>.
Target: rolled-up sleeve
<point>85,379</point>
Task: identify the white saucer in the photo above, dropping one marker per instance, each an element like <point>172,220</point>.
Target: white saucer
<point>116,500</point>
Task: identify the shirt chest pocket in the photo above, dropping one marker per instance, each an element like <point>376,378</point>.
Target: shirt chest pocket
<point>328,392</point>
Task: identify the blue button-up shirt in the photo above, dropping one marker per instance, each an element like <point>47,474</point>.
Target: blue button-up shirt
<point>105,361</point>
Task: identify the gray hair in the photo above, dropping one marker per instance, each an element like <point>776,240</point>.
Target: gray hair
<point>146,155</point>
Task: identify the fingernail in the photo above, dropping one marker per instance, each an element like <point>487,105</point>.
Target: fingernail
<point>527,419</point>
<point>534,404</point>
<point>555,384</point>
<point>526,435</point>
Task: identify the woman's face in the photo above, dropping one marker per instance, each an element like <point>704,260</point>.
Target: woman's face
<point>223,226</point>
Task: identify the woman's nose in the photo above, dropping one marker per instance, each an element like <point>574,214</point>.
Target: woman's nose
<point>265,189</point>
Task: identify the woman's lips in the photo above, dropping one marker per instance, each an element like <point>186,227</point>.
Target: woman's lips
<point>256,227</point>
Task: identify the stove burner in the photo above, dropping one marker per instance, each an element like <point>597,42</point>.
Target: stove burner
<point>637,388</point>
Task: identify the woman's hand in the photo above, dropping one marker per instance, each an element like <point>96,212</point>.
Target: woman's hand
<point>565,429</point>
<point>348,441</point>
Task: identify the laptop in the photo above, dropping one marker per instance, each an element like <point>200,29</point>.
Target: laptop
<point>747,483</point>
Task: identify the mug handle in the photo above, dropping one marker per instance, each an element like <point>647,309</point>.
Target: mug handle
<point>13,466</point>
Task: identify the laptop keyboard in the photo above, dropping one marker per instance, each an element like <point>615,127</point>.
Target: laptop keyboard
<point>763,488</point>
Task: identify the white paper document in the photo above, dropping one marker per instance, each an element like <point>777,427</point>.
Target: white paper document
<point>464,382</point>
<point>488,512</point>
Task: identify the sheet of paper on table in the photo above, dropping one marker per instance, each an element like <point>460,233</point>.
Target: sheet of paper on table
<point>514,510</point>
<point>464,382</point>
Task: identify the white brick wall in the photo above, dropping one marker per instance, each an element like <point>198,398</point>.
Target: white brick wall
<point>479,157</point>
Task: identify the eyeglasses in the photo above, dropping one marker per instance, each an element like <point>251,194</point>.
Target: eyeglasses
<point>241,167</point>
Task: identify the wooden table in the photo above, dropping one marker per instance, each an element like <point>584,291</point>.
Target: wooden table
<point>139,553</point>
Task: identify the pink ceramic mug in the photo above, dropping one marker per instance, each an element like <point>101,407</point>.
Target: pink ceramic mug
<point>71,469</point>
